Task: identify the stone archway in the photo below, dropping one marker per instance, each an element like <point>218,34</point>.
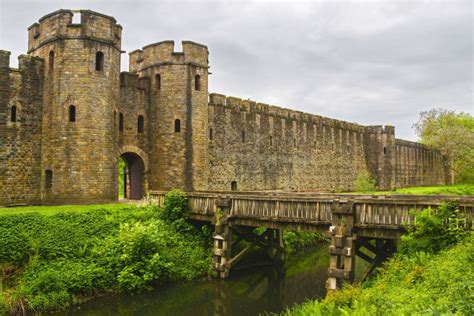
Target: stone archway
<point>134,173</point>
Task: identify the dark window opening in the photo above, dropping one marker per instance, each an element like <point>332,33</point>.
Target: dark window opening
<point>294,143</point>
<point>233,185</point>
<point>211,136</point>
<point>120,122</point>
<point>48,179</point>
<point>177,126</point>
<point>197,83</point>
<point>99,61</point>
<point>243,137</point>
<point>271,140</point>
<point>13,114</point>
<point>158,81</point>
<point>51,60</point>
<point>72,113</point>
<point>385,150</point>
<point>140,123</point>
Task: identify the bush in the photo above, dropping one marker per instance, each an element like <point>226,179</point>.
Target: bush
<point>364,182</point>
<point>435,230</point>
<point>54,285</point>
<point>175,206</point>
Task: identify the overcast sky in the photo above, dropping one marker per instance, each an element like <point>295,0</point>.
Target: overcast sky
<point>370,62</point>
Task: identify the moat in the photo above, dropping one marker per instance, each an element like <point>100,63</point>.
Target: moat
<point>250,291</point>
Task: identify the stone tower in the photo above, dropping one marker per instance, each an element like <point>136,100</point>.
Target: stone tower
<point>178,113</point>
<point>82,66</point>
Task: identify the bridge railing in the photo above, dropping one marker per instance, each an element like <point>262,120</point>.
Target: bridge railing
<point>370,211</point>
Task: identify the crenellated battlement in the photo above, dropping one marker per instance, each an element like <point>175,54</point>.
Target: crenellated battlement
<point>410,144</point>
<point>240,105</point>
<point>380,129</point>
<point>25,62</point>
<point>59,25</point>
<point>162,53</point>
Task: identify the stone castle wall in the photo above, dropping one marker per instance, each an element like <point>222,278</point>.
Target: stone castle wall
<point>264,147</point>
<point>20,141</point>
<point>416,165</point>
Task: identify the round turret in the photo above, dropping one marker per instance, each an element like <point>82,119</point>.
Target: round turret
<point>179,113</point>
<point>82,67</point>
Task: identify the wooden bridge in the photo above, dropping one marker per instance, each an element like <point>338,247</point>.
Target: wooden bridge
<point>359,225</point>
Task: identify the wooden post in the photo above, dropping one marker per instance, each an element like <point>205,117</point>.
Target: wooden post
<point>221,252</point>
<point>342,248</point>
<point>276,247</point>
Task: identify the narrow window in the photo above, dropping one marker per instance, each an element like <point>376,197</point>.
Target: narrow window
<point>177,126</point>
<point>243,136</point>
<point>72,113</point>
<point>385,150</point>
<point>99,61</point>
<point>210,134</point>
<point>120,122</point>
<point>294,143</point>
<point>140,124</point>
<point>51,60</point>
<point>13,114</point>
<point>197,83</point>
<point>233,185</point>
<point>271,140</point>
<point>158,81</point>
<point>48,179</point>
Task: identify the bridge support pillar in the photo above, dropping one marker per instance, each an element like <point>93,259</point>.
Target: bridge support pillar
<point>221,251</point>
<point>276,247</point>
<point>342,248</point>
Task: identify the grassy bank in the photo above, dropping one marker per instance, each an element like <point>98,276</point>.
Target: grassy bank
<point>52,210</point>
<point>431,275</point>
<point>456,189</point>
<point>52,259</point>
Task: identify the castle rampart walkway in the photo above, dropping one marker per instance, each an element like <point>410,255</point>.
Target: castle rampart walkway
<point>353,222</point>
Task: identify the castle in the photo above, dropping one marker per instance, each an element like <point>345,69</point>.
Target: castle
<point>67,114</point>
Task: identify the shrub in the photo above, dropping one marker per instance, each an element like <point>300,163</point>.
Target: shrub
<point>175,206</point>
<point>435,230</point>
<point>54,285</point>
<point>364,182</point>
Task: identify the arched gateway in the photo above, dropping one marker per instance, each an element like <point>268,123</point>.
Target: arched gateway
<point>132,178</point>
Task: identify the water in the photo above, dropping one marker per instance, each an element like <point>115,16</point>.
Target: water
<point>249,291</point>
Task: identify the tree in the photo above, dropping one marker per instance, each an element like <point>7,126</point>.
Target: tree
<point>452,134</point>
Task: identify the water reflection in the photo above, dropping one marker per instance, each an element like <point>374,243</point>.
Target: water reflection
<point>247,292</point>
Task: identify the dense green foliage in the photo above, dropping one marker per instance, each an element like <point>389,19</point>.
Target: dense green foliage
<point>54,261</point>
<point>121,176</point>
<point>364,182</point>
<point>435,230</point>
<point>452,134</point>
<point>424,278</point>
<point>298,240</point>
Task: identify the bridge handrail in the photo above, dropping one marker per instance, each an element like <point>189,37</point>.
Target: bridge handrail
<point>377,211</point>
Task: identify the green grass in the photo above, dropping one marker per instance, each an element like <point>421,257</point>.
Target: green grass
<point>456,189</point>
<point>52,210</point>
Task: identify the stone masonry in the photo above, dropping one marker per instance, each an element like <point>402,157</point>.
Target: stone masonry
<point>67,114</point>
